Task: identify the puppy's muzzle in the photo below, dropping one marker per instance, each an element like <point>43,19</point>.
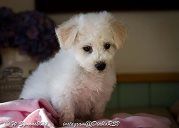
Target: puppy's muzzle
<point>100,65</point>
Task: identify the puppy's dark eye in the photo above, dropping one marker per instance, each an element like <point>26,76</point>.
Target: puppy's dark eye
<point>107,45</point>
<point>88,49</point>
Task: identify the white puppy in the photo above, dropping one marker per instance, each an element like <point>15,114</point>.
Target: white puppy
<point>79,80</point>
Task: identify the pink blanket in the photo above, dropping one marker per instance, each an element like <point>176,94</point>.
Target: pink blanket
<point>30,113</point>
<point>40,114</point>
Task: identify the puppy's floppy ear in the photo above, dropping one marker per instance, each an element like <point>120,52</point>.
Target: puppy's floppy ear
<point>67,32</point>
<point>119,33</point>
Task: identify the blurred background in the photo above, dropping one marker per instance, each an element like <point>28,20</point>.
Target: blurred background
<point>152,42</point>
<point>147,65</point>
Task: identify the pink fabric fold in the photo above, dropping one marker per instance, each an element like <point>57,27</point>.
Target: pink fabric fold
<point>37,113</point>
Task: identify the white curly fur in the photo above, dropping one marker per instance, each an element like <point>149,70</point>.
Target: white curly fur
<point>70,80</point>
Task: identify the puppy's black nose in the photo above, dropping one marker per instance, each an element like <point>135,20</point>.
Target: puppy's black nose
<point>100,66</point>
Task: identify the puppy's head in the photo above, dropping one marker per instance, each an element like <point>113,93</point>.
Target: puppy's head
<point>94,38</point>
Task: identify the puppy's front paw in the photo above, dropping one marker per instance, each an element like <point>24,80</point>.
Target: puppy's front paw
<point>98,116</point>
<point>66,118</point>
<point>69,117</point>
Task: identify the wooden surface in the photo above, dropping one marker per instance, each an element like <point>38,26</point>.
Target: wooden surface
<point>148,77</point>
